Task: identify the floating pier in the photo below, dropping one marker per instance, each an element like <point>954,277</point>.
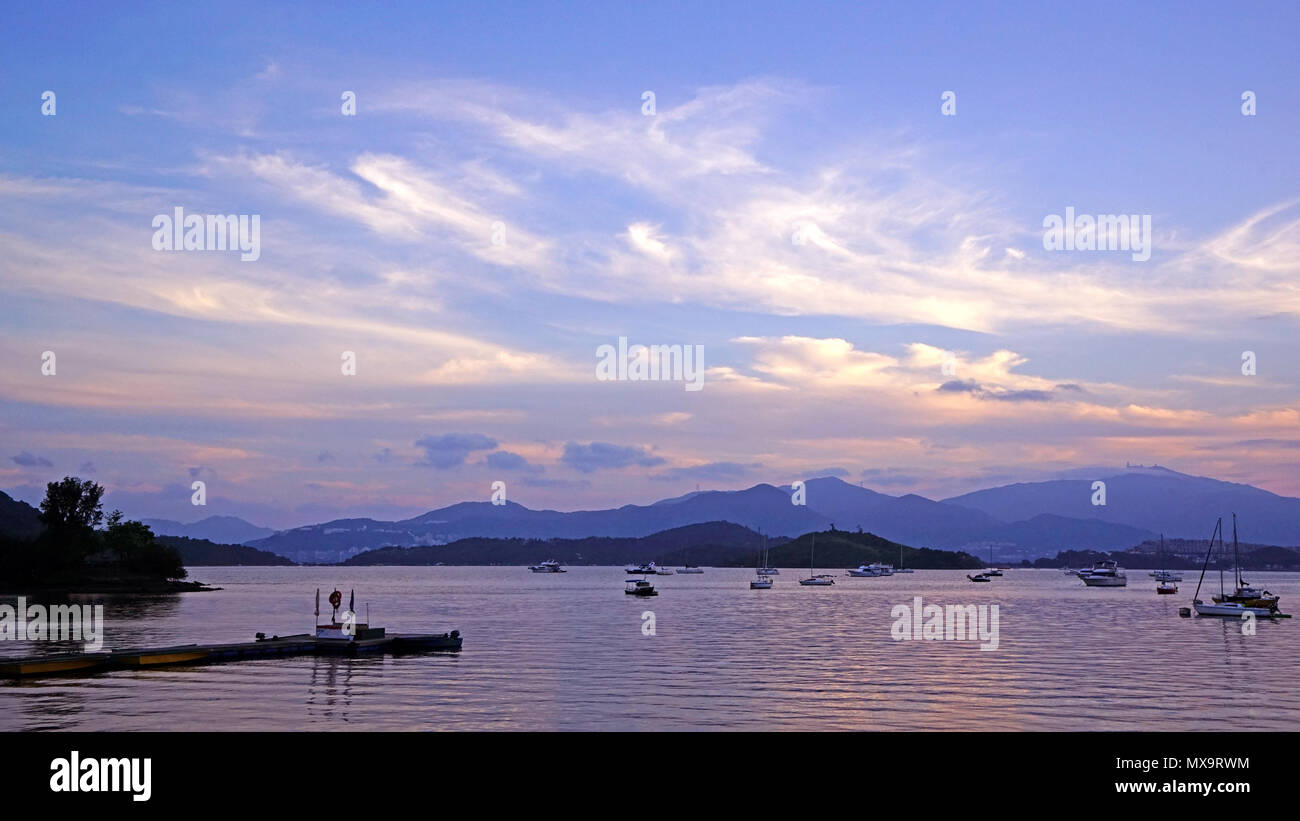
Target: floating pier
<point>373,640</point>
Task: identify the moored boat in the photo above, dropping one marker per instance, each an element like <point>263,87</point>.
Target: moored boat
<point>550,566</point>
<point>979,577</point>
<point>1105,574</point>
<point>639,587</point>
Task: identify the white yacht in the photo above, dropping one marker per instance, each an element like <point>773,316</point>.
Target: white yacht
<point>691,569</point>
<point>647,569</point>
<point>761,583</point>
<point>864,571</point>
<point>1104,574</point>
<point>551,566</point>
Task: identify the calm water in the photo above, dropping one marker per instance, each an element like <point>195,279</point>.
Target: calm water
<point>566,652</point>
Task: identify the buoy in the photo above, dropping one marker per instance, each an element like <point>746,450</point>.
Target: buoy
<point>1185,612</point>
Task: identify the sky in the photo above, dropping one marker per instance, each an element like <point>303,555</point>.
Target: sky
<point>860,254</point>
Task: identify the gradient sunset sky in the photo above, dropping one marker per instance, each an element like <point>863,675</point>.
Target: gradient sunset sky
<point>923,238</point>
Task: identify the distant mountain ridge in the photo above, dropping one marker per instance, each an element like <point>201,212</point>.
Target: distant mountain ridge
<point>1010,522</point>
<point>218,529</point>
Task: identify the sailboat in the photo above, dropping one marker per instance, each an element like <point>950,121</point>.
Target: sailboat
<point>815,581</point>
<point>1243,592</point>
<point>900,568</point>
<point>993,568</point>
<point>1223,608</point>
<point>1165,581</point>
<point>767,569</point>
<point>764,581</point>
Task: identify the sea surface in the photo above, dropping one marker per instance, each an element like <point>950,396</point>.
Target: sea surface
<point>569,652</point>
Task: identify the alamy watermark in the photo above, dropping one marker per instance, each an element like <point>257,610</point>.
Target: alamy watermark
<point>651,363</point>
<point>953,622</point>
<point>1104,232</point>
<point>60,622</point>
<point>209,232</point>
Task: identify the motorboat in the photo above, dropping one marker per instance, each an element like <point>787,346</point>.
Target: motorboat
<point>644,569</point>
<point>551,566</point>
<point>864,571</point>
<point>640,587</point>
<point>1105,574</point>
<point>979,577</point>
<point>1166,576</point>
<point>1166,588</point>
<point>761,583</point>
<point>691,569</point>
<point>993,571</point>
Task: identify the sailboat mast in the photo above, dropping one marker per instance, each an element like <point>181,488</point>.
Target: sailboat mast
<point>1196,595</point>
<point>1236,556</point>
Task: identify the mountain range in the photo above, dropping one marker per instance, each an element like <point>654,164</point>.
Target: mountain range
<point>1005,523</point>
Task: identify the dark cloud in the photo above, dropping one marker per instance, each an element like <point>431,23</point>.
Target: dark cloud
<point>324,456</point>
<point>599,455</point>
<point>384,456</point>
<point>201,472</point>
<point>450,450</point>
<point>28,460</point>
<point>505,460</point>
<point>977,390</point>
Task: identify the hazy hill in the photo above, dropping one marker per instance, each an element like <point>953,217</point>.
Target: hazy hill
<point>1155,499</point>
<point>203,553</point>
<point>220,529</point>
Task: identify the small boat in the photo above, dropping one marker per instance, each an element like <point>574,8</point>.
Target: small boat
<point>979,577</point>
<point>821,580</point>
<point>864,571</point>
<point>900,568</point>
<point>766,569</point>
<point>1231,609</point>
<point>643,569</point>
<point>817,581</point>
<point>53,665</point>
<point>690,568</point>
<point>640,587</point>
<point>551,566</point>
<point>1104,574</point>
<point>761,583</point>
<point>1166,588</point>
<point>1166,576</point>
<point>663,571</point>
<point>993,568</point>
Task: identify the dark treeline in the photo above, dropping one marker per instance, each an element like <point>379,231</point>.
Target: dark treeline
<point>713,544</point>
<point>77,545</point>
